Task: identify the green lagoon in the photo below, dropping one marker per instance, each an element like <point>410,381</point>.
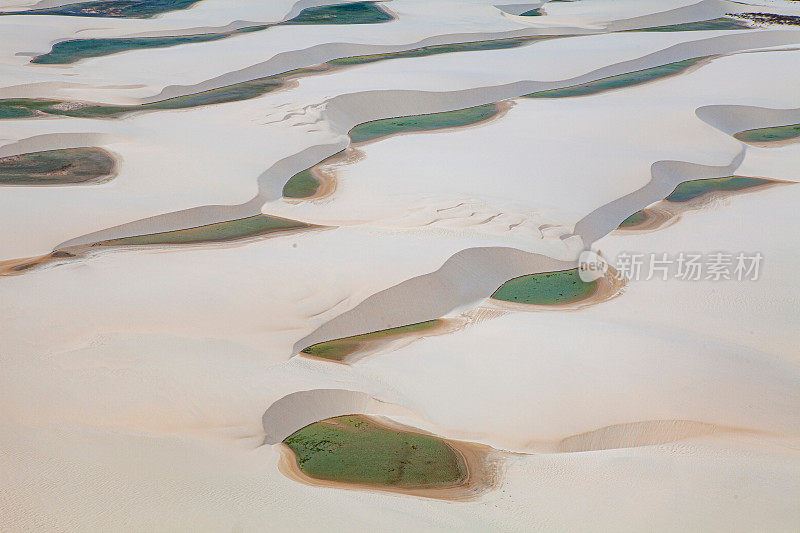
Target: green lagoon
<point>376,129</point>
<point>635,219</point>
<point>339,349</point>
<point>219,232</point>
<point>546,288</point>
<point>301,185</point>
<point>689,190</point>
<point>56,167</point>
<point>354,449</point>
<point>773,134</point>
<point>616,82</point>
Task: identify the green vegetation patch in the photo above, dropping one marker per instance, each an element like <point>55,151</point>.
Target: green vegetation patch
<point>375,129</point>
<point>140,9</point>
<point>221,231</point>
<point>338,349</point>
<point>497,44</point>
<point>635,219</point>
<point>773,134</point>
<point>722,23</point>
<point>354,449</point>
<point>546,288</point>
<point>689,190</point>
<point>615,82</point>
<point>56,167</point>
<point>301,185</point>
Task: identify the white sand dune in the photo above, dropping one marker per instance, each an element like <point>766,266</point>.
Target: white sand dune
<point>147,388</point>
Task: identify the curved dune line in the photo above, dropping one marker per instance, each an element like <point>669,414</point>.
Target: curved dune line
<point>468,276</point>
<point>666,175</point>
<point>635,434</point>
<point>666,213</point>
<point>345,111</point>
<point>299,409</point>
<point>323,53</point>
<point>732,119</point>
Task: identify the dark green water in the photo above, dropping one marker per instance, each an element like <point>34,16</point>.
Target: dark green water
<point>354,449</point>
<point>376,129</point>
<point>140,9</point>
<point>220,231</point>
<point>338,349</point>
<point>722,23</point>
<point>634,220</point>
<point>355,13</point>
<point>615,82</point>
<point>71,51</point>
<point>776,133</point>
<point>56,167</point>
<point>77,49</point>
<point>546,288</point>
<point>532,13</point>
<point>301,185</point>
<point>688,190</point>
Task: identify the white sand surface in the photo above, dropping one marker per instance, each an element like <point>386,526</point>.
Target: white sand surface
<point>148,388</point>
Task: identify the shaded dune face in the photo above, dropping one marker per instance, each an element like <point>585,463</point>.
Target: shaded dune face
<point>467,277</point>
<point>67,166</point>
